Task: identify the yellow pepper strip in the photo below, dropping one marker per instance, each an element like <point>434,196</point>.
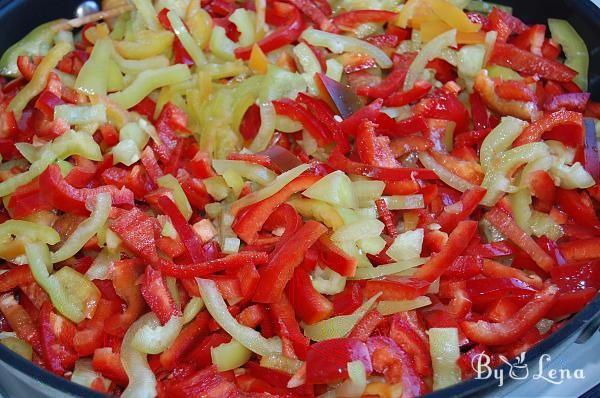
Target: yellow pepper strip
<point>148,81</point>
<point>318,210</point>
<point>40,77</point>
<point>261,9</point>
<point>29,231</point>
<point>258,61</point>
<point>10,185</point>
<point>148,13</point>
<point>142,381</point>
<point>576,52</point>
<point>199,23</point>
<point>186,39</point>
<point>445,351</point>
<point>71,293</point>
<point>407,12</point>
<point>148,44</point>
<point>453,16</point>
<point>93,79</point>
<point>86,230</point>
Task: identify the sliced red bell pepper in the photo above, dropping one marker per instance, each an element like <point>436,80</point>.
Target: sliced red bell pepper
<point>155,292</point>
<point>200,354</point>
<point>191,241</point>
<point>58,193</point>
<point>409,333</point>
<point>469,201</point>
<point>284,319</point>
<point>393,81</point>
<point>315,14</point>
<point>386,217</point>
<point>401,98</point>
<point>513,23</point>
<point>171,120</point>
<point>457,242</point>
<point>505,307</point>
<point>208,382</point>
<point>310,305</point>
<point>20,321</point>
<point>12,278</point>
<point>509,228</point>
<point>536,130</point>
<point>571,302</point>
<point>251,220</point>
<point>56,334</point>
<point>464,267</point>
<point>384,41</point>
<point>395,287</point>
<point>348,300</point>
<point>576,276</point>
<point>340,162</point>
<point>396,366</point>
<point>483,291</point>
<point>446,106</point>
<point>578,206</point>
<point>231,262</point>
<point>514,90</point>
<point>581,250</point>
<point>297,112</point>
<point>493,269</point>
<point>278,272</point>
<point>190,334</point>
<point>366,326</point>
<point>373,150</point>
<point>531,39</point>
<point>323,112</point>
<point>479,112</point>
<point>515,327</point>
<point>286,34</point>
<point>525,62</point>
<point>370,112</point>
<point>125,274</point>
<point>352,19</point>
<point>108,363</point>
<point>576,102</point>
<point>137,230</point>
<point>327,361</point>
<point>90,334</point>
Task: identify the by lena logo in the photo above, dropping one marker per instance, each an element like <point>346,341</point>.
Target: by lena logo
<point>519,370</point>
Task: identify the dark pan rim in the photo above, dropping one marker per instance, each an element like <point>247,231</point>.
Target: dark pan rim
<point>588,10</point>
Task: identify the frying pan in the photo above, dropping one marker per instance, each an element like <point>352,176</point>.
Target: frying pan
<point>21,378</point>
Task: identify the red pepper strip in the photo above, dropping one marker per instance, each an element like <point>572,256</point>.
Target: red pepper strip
<point>191,334</point>
<point>323,112</point>
<point>578,206</point>
<point>469,202</point>
<point>532,39</point>
<point>352,19</point>
<point>366,326</point>
<point>570,101</point>
<point>392,82</point>
<point>370,112</point>
<point>46,103</point>
<point>20,321</point>
<point>396,366</point>
<point>493,269</point>
<point>288,329</point>
<point>509,228</point>
<point>61,195</point>
<point>391,128</point>
<point>190,240</point>
<point>287,217</point>
<point>373,150</point>
<point>457,242</point>
<point>446,106</point>
<point>335,258</point>
<point>327,361</point>
<point>489,250</point>
<point>536,130</point>
<point>464,267</point>
<point>151,165</point>
<point>310,305</point>
<point>348,300</point>
<point>385,41</point>
<point>278,272</point>
<point>202,269</point>
<point>395,288</point>
<point>171,120</point>
<point>514,90</point>
<point>315,14</point>
<point>576,276</point>
<point>401,98</point>
<point>542,187</point>
<point>386,216</point>
<point>516,326</point>
<point>297,112</point>
<point>409,333</point>
<point>208,382</point>
<point>125,274</point>
<point>155,292</point>
<point>571,302</point>
<point>581,250</point>
<point>286,34</point>
<point>248,277</point>
<point>479,112</point>
<point>12,278</point>
<point>108,363</point>
<point>251,220</point>
<point>58,358</point>
<point>525,62</point>
<point>137,230</point>
<point>340,162</point>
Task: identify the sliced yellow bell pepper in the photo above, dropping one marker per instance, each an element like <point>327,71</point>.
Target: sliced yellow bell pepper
<point>258,60</point>
<point>453,16</point>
